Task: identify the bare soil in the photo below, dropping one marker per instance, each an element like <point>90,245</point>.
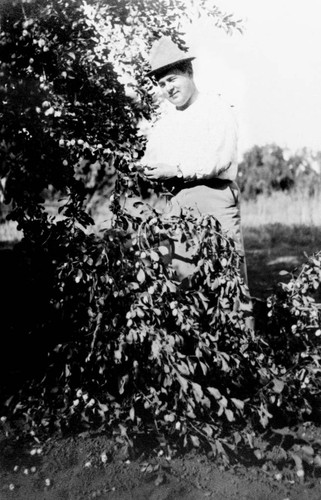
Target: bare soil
<point>74,468</point>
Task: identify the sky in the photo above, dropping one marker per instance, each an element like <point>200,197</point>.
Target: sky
<point>271,73</point>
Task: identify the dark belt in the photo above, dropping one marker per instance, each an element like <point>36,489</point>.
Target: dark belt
<point>177,184</point>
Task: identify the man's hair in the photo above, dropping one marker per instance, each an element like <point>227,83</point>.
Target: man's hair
<point>181,67</point>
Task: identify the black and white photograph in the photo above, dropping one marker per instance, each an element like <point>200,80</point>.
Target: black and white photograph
<point>160,249</point>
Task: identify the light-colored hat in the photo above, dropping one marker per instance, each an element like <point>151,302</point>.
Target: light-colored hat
<point>164,54</point>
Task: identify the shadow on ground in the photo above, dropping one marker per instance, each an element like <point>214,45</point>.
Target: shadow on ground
<point>273,248</point>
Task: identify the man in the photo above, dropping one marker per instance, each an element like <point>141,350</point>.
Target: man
<point>193,147</point>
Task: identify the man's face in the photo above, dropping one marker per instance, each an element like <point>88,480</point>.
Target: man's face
<point>178,88</point>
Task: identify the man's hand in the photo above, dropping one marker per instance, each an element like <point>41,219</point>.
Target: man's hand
<point>160,171</point>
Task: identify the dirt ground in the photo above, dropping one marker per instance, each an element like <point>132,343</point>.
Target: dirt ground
<point>83,468</point>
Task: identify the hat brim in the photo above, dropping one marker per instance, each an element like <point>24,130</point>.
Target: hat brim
<point>161,69</point>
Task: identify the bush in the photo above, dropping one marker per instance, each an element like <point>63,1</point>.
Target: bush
<point>150,353</point>
<point>293,334</point>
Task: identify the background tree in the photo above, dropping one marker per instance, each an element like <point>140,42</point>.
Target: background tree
<point>269,168</point>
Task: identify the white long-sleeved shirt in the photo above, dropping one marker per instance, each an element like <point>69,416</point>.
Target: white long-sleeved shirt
<point>202,139</point>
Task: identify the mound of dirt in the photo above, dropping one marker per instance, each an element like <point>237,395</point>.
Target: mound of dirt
<point>88,467</point>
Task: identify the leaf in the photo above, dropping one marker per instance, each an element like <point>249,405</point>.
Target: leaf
<point>238,403</point>
<point>198,393</point>
<point>171,287</point>
<point>132,413</point>
<point>8,401</point>
<point>191,365</point>
<point>140,313</point>
<point>237,437</point>
<point>163,250</point>
<point>224,302</point>
<point>204,299</point>
<point>206,402</point>
<point>297,460</point>
<point>123,430</point>
<point>209,430</point>
<point>223,402</point>
<point>225,366</point>
<point>133,285</point>
<point>154,256</point>
<point>183,368</point>
<point>285,431</point>
<point>216,283</point>
<point>141,276</point>
<point>103,407</point>
<point>195,440</point>
<point>204,368</point>
<point>278,385</point>
<point>229,415</point>
<point>258,454</point>
<point>214,392</point>
<point>219,447</point>
<point>183,382</point>
<point>308,450</point>
<point>265,415</point>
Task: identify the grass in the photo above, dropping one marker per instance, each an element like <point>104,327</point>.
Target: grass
<point>273,248</point>
<point>280,231</point>
<point>290,209</point>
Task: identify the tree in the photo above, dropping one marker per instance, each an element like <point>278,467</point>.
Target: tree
<point>269,168</point>
<point>73,91</point>
<point>263,170</point>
